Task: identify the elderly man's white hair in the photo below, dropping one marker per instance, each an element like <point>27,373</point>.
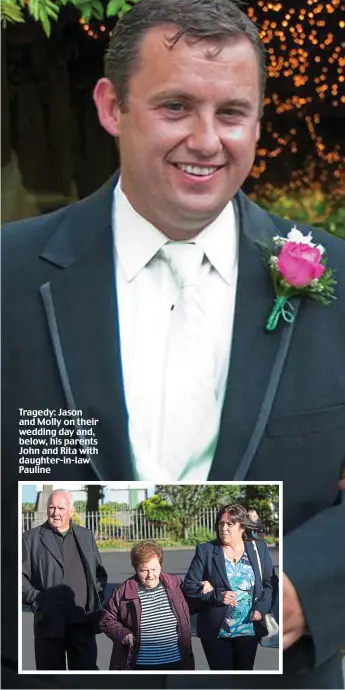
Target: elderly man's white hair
<point>61,491</point>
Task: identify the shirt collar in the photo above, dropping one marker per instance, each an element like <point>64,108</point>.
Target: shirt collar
<point>136,240</point>
<point>62,535</point>
<point>219,240</point>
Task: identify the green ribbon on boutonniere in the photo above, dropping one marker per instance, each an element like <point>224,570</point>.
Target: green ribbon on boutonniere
<point>281,308</point>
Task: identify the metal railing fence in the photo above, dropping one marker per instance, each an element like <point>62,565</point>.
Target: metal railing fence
<point>129,525</point>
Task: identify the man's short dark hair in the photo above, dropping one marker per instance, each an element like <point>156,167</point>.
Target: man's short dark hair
<point>198,19</point>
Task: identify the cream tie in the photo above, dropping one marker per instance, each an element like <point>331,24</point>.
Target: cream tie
<point>190,419</point>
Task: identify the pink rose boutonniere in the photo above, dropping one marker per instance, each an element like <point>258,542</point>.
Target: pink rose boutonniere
<point>298,267</point>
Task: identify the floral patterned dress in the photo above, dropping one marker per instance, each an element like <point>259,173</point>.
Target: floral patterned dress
<point>241,580</point>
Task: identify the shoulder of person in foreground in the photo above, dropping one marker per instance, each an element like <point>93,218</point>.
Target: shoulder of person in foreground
<point>169,580</point>
<point>204,550</point>
<point>207,546</point>
<point>112,604</point>
<point>111,619</point>
<point>130,586</point>
<point>203,557</point>
<point>86,534</point>
<point>82,531</point>
<point>265,556</point>
<point>21,236</point>
<point>30,534</point>
<point>31,231</point>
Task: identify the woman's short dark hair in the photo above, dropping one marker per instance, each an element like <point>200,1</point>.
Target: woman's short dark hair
<point>198,19</point>
<point>141,553</point>
<point>235,513</point>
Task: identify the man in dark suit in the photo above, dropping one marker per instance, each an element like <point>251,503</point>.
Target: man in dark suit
<point>63,582</point>
<point>94,319</point>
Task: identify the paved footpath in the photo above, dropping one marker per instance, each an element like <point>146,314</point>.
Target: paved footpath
<point>118,567</point>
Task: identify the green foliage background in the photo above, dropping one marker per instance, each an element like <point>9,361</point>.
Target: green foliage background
<point>28,507</point>
<point>178,506</point>
<point>316,207</point>
<point>48,11</point>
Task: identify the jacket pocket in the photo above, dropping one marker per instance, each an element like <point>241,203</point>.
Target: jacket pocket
<point>312,422</point>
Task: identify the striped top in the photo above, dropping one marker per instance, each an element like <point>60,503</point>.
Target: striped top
<point>158,632</point>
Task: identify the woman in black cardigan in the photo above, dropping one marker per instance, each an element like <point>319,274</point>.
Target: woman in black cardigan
<point>225,585</point>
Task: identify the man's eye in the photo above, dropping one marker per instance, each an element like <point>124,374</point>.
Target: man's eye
<point>229,112</point>
<point>175,107</point>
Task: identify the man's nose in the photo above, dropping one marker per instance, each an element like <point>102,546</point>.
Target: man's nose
<point>204,138</point>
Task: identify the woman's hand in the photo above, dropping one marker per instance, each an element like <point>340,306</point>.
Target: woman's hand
<point>205,587</point>
<point>229,598</point>
<point>128,641</point>
<point>256,616</point>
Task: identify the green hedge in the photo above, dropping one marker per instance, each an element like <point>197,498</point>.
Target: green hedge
<point>105,545</point>
<point>310,207</point>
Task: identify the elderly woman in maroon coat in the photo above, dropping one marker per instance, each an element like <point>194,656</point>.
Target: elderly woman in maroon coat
<point>147,617</point>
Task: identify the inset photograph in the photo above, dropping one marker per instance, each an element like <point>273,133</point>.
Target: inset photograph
<point>136,577</point>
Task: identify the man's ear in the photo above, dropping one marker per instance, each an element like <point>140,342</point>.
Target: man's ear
<point>107,105</point>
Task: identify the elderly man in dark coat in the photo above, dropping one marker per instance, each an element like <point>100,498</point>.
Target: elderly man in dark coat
<point>63,582</point>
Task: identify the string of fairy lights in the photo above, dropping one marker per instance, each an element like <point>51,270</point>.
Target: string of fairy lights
<point>306,76</point>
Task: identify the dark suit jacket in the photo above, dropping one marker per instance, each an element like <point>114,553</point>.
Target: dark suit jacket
<point>43,578</point>
<point>208,564</point>
<point>61,348</point>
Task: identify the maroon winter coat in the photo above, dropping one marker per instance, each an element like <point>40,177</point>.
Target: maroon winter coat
<point>122,615</point>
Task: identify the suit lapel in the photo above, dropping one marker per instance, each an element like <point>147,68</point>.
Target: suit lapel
<point>254,563</point>
<point>82,547</point>
<point>48,540</point>
<point>219,561</point>
<point>85,312</point>
<point>254,351</point>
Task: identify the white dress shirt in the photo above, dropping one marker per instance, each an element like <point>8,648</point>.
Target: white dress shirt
<point>146,291</point>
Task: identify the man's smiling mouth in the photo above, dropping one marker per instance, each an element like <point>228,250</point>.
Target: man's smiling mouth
<point>197,170</point>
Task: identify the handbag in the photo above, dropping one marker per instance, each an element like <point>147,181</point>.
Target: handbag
<point>271,639</point>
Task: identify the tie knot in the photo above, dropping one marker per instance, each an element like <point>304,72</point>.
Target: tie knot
<point>184,260</point>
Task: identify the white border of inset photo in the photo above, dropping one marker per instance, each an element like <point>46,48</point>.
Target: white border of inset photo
<point>138,485</point>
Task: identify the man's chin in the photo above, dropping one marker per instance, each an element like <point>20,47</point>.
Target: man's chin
<point>199,211</point>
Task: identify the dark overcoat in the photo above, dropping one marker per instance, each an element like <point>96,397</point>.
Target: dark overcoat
<point>43,579</point>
